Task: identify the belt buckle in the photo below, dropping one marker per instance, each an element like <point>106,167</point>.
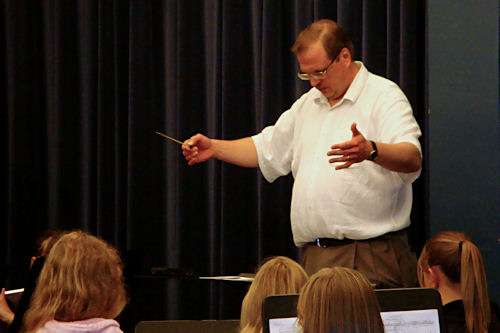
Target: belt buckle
<point>318,243</point>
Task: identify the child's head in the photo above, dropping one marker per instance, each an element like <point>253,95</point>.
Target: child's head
<point>81,279</point>
<point>338,299</point>
<point>278,275</point>
<point>450,260</point>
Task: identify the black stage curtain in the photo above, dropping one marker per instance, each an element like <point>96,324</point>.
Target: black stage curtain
<point>85,84</point>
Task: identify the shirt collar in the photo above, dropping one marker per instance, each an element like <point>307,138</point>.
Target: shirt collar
<point>357,84</point>
<point>354,89</point>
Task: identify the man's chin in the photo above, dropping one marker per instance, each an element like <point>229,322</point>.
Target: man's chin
<point>324,91</point>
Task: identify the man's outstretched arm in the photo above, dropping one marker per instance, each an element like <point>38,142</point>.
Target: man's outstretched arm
<point>200,148</point>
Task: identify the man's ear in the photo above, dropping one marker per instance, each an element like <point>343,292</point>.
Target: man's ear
<point>345,55</point>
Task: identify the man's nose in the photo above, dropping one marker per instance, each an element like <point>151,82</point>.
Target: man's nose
<point>314,82</point>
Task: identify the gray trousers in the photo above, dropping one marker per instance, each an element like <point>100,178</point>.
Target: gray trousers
<point>386,261</point>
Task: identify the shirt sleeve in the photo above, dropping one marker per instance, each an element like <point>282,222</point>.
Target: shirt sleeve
<point>274,147</point>
<point>398,124</point>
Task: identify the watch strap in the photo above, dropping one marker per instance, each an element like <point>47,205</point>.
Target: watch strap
<point>374,152</point>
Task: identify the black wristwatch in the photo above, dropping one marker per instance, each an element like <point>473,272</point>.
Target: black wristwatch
<point>373,153</point>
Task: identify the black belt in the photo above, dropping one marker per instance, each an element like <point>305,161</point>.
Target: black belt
<point>327,242</point>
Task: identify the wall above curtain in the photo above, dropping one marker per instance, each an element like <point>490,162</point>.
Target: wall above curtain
<point>85,84</point>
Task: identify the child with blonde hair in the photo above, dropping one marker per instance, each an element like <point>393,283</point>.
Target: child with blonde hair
<point>43,244</point>
<point>278,275</point>
<point>452,264</point>
<point>80,288</point>
<point>339,299</point>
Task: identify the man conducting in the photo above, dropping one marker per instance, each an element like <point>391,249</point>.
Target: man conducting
<point>351,143</point>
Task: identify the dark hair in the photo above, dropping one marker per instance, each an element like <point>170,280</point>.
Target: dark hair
<point>330,34</point>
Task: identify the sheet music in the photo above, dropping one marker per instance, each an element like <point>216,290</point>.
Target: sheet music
<point>284,325</point>
<point>412,321</point>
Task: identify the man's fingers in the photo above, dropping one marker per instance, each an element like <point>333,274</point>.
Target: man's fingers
<point>188,144</point>
<point>354,130</point>
<point>192,158</point>
<point>345,158</point>
<point>189,152</point>
<point>341,152</point>
<point>342,146</point>
<point>351,143</point>
<point>343,166</point>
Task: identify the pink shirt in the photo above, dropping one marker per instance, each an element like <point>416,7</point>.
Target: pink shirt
<point>98,325</point>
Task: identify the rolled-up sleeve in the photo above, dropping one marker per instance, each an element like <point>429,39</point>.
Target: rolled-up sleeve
<point>399,125</point>
<point>274,147</point>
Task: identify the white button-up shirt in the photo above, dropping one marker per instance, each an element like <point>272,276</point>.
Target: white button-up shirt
<point>359,202</point>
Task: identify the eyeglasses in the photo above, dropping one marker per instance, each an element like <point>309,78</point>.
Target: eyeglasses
<point>319,75</point>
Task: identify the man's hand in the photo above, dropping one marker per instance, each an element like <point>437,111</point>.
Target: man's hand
<point>197,149</point>
<point>239,152</point>
<point>353,151</point>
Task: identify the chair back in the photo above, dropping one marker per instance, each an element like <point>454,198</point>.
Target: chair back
<point>411,310</point>
<point>192,326</point>
<point>277,307</point>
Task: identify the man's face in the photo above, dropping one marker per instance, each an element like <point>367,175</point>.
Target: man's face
<point>334,85</point>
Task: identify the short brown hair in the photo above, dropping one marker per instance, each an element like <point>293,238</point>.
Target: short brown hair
<point>339,299</point>
<point>330,34</point>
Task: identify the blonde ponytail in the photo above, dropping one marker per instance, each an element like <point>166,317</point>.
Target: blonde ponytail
<point>474,288</point>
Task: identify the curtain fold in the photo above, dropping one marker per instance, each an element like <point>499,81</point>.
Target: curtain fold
<point>85,85</point>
